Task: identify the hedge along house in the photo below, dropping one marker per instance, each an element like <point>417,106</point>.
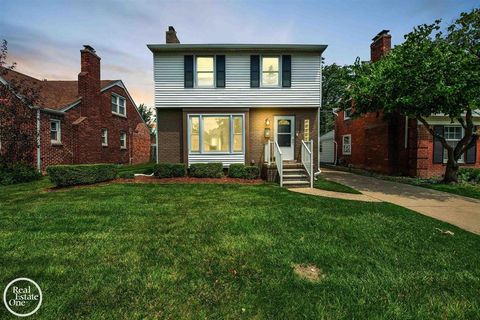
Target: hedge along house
<point>255,104</point>
<point>85,121</point>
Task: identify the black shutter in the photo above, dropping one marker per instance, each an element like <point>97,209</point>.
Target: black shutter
<point>220,70</point>
<point>471,154</point>
<point>286,71</point>
<point>437,145</point>
<point>254,71</point>
<point>188,71</point>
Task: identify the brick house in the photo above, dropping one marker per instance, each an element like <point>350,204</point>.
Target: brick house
<point>395,144</point>
<point>255,104</point>
<point>85,121</point>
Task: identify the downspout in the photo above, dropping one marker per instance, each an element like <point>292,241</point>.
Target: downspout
<point>156,138</point>
<point>318,121</point>
<point>39,152</point>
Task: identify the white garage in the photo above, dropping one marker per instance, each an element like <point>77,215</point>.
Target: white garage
<point>328,152</point>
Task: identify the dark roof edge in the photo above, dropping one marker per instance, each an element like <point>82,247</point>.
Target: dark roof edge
<point>173,47</point>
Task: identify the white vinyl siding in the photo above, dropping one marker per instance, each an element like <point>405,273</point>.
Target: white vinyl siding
<point>170,91</point>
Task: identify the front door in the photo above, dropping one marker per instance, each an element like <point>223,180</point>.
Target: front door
<point>285,135</point>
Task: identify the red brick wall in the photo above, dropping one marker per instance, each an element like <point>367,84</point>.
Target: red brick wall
<point>82,142</point>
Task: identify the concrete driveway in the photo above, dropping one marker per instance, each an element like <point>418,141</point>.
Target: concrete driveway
<point>460,211</point>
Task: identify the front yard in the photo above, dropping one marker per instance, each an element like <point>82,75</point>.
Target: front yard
<point>134,251</point>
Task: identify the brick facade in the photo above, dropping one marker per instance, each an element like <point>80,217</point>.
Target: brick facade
<point>172,132</point>
<point>82,124</point>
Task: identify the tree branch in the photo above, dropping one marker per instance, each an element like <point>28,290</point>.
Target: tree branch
<point>435,135</point>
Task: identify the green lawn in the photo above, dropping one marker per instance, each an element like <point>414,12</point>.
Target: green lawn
<point>324,184</point>
<point>145,168</point>
<point>135,251</point>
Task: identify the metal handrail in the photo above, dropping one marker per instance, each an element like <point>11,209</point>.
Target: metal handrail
<point>307,159</point>
<point>279,162</point>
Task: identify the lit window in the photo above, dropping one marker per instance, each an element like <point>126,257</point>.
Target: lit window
<point>216,134</point>
<point>205,74</point>
<point>118,105</point>
<point>55,131</point>
<point>347,144</point>
<point>194,134</point>
<point>123,140</point>
<point>270,71</point>
<point>453,134</point>
<point>104,137</point>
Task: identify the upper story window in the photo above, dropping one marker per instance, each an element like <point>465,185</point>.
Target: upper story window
<point>104,137</point>
<point>55,131</point>
<point>205,71</point>
<point>270,71</point>
<point>119,105</point>
<point>453,134</point>
<point>347,113</point>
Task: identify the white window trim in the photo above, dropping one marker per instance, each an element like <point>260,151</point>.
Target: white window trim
<point>445,157</point>
<point>59,131</point>
<point>345,117</point>
<point>279,85</point>
<point>200,133</point>
<point>214,70</point>
<point>343,144</point>
<point>117,104</point>
<point>123,147</point>
<point>105,144</point>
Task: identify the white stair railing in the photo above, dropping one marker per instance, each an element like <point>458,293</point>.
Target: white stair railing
<point>279,162</point>
<point>307,159</point>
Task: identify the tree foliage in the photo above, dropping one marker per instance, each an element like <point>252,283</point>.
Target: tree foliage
<point>17,116</point>
<point>335,79</point>
<point>433,72</point>
<point>147,115</point>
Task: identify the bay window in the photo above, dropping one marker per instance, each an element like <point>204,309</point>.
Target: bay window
<point>216,133</point>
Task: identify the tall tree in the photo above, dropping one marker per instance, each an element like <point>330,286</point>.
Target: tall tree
<point>432,72</point>
<point>17,116</point>
<point>335,79</point>
<point>147,114</point>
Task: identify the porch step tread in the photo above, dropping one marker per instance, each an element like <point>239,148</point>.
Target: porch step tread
<point>295,176</point>
<point>296,182</point>
<point>293,170</point>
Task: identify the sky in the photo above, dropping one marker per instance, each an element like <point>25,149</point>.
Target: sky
<point>45,37</point>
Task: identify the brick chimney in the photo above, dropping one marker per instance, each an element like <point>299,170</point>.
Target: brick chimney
<point>89,76</point>
<point>381,45</point>
<point>171,35</point>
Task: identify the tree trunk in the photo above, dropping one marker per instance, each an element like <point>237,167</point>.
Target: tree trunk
<point>451,172</point>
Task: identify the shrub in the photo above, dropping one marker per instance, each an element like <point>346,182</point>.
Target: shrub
<point>252,172</point>
<point>170,170</point>
<point>244,172</point>
<point>236,170</point>
<point>206,170</point>
<point>126,175</point>
<point>471,175</point>
<point>17,173</point>
<point>69,175</point>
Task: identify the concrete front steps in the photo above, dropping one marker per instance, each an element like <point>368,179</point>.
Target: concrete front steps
<point>294,175</point>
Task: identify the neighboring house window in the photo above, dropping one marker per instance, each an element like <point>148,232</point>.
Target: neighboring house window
<point>347,144</point>
<point>55,131</point>
<point>205,71</point>
<point>347,113</point>
<point>118,105</point>
<point>453,134</point>
<point>104,137</point>
<point>270,71</point>
<point>216,133</point>
<point>123,140</point>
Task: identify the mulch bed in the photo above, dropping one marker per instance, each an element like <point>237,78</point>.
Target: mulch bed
<point>222,180</point>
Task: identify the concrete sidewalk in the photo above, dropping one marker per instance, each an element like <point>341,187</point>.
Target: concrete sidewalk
<point>460,211</point>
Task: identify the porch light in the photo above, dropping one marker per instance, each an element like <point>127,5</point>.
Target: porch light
<point>266,133</point>
<point>267,122</point>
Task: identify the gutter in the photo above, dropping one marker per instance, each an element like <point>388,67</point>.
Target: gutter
<point>39,152</point>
